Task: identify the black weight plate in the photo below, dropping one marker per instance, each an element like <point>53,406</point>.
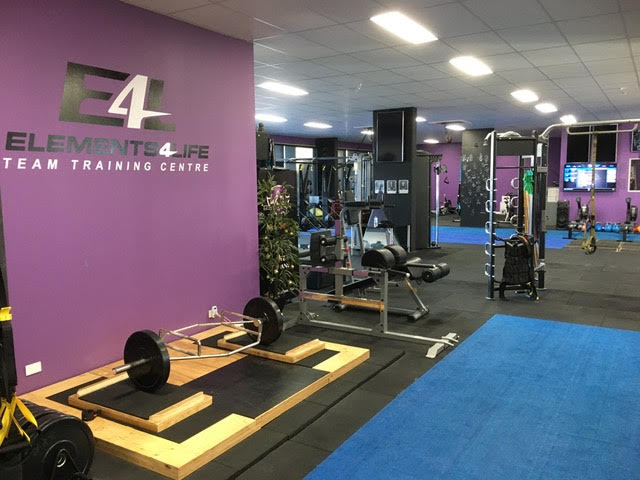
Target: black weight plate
<point>58,433</point>
<point>267,310</point>
<point>378,258</point>
<point>399,253</point>
<point>154,373</point>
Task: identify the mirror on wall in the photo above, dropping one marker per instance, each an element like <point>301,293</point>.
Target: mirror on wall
<point>634,175</point>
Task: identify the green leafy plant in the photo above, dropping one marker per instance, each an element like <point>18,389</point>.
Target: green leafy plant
<point>278,239</point>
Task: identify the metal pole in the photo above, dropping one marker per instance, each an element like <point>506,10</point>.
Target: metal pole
<point>437,170</point>
<point>490,208</point>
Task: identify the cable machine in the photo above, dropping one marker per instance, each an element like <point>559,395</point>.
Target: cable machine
<point>589,241</point>
<point>528,220</point>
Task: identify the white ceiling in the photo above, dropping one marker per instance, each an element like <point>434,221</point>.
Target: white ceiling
<point>582,55</point>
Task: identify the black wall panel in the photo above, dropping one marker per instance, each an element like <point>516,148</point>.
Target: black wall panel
<point>475,172</point>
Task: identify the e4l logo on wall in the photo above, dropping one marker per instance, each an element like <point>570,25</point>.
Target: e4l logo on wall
<point>136,114</point>
<point>133,102</point>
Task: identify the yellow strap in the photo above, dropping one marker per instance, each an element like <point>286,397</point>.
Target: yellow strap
<point>7,417</point>
<point>5,314</point>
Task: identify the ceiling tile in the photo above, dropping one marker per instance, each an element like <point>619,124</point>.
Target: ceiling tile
<point>166,6</point>
<point>480,44</point>
<point>626,5</point>
<point>523,75</point>
<point>632,22</point>
<point>349,81</point>
<point>507,61</point>
<point>343,12</point>
<point>371,30</point>
<point>228,22</point>
<point>616,80</point>
<point>384,77</point>
<point>341,39</point>
<point>533,37</point>
<point>271,56</point>
<point>447,83</point>
<point>346,64</point>
<point>593,29</point>
<point>450,20</point>
<point>410,87</point>
<point>551,56</point>
<point>575,83</point>
<point>291,15</point>
<point>386,58</point>
<point>297,46</point>
<point>603,50</point>
<point>565,71</point>
<point>508,13</point>
<point>433,52</point>
<point>420,72</point>
<point>616,65</point>
<point>635,46</point>
<point>275,72</point>
<point>309,69</point>
<point>567,9</point>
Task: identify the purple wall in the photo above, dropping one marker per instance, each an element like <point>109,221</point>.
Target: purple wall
<point>451,159</point>
<point>553,161</point>
<point>451,153</point>
<point>94,255</point>
<point>610,206</point>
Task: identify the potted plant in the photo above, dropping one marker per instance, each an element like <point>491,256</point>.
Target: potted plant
<point>278,242</point>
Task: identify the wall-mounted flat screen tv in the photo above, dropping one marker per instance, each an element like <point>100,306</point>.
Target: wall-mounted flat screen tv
<point>577,177</point>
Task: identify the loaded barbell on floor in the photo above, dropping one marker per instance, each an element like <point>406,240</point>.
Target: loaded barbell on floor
<point>146,355</point>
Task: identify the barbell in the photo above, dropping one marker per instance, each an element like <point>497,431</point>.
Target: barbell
<point>146,353</point>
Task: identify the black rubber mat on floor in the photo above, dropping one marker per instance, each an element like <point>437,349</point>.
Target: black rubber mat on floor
<point>248,387</point>
<point>282,345</point>
<point>124,397</point>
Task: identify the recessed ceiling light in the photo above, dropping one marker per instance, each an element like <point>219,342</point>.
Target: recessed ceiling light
<point>456,127</point>
<point>471,66</point>
<point>431,140</point>
<point>266,117</point>
<point>420,119</point>
<point>366,131</point>
<point>568,119</point>
<point>317,125</point>
<point>404,27</point>
<point>282,88</point>
<point>525,96</point>
<point>546,107</point>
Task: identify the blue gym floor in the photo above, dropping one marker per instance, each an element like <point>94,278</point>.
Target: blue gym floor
<point>519,399</point>
<point>476,236</point>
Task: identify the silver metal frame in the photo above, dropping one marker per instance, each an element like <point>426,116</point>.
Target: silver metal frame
<point>190,355</point>
<point>382,330</point>
<point>548,130</point>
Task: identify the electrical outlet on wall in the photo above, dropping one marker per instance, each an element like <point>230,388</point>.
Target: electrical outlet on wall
<point>32,368</point>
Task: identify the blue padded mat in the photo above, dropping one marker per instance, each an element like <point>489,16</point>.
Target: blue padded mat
<point>519,399</point>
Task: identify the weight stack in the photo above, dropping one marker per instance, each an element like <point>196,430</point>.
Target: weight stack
<point>562,215</point>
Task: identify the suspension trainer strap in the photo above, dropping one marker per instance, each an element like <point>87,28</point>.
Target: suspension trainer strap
<point>589,234</point>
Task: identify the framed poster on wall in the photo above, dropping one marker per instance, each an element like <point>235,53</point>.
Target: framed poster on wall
<point>392,186</point>
<point>635,141</point>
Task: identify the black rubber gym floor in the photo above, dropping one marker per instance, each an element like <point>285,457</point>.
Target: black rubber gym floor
<point>600,289</point>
